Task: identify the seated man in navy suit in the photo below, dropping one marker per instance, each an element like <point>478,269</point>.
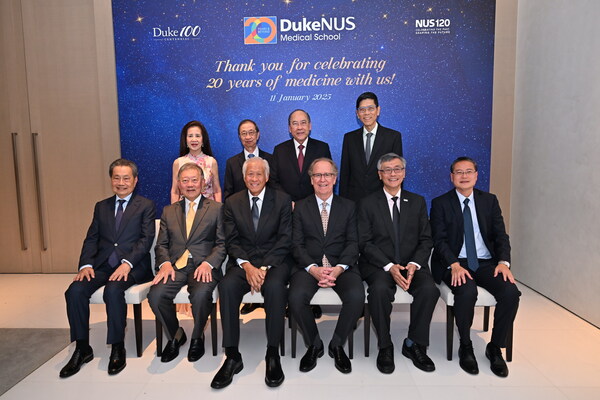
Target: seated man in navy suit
<point>115,254</point>
<point>471,248</point>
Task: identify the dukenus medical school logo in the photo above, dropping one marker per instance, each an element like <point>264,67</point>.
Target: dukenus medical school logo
<point>269,30</point>
<point>260,30</point>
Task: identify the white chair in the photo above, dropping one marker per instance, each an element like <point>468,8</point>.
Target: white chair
<point>401,297</point>
<point>135,295</point>
<point>485,300</point>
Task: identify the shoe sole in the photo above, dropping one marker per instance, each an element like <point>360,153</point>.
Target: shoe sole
<point>235,371</point>
<point>415,363</point>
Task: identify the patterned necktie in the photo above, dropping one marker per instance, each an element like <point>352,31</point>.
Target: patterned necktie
<point>113,260</point>
<point>396,223</point>
<point>189,221</point>
<point>300,157</point>
<point>255,214</point>
<point>472,260</point>
<point>325,222</point>
<point>368,146</point>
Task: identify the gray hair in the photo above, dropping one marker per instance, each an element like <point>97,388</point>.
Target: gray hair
<point>254,160</point>
<point>389,157</point>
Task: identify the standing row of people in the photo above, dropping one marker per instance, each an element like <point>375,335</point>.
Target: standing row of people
<point>327,241</point>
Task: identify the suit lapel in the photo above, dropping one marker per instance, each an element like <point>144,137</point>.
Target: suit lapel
<point>293,159</point>
<point>112,210</point>
<point>479,206</point>
<point>456,208</point>
<point>180,214</point>
<point>129,211</point>
<point>358,144</point>
<point>240,159</point>
<point>384,209</point>
<point>405,211</point>
<point>268,204</point>
<point>313,209</point>
<point>200,212</point>
<point>377,145</point>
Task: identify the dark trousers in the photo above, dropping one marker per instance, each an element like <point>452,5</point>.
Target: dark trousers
<point>78,296</point>
<point>274,289</point>
<point>200,294</point>
<point>349,288</point>
<point>507,301</point>
<point>381,291</point>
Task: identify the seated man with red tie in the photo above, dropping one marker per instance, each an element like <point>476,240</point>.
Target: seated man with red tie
<point>471,248</point>
<point>325,246</point>
<point>115,254</point>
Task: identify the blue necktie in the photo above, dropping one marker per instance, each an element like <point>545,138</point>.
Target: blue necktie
<point>250,155</point>
<point>472,261</point>
<point>113,260</point>
<point>255,215</point>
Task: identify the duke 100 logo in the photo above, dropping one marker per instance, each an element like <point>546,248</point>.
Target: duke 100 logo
<point>188,32</point>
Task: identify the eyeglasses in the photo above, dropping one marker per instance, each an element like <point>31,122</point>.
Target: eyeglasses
<point>125,179</point>
<point>248,133</point>
<point>468,172</point>
<point>194,181</point>
<point>364,110</point>
<point>388,171</point>
<point>301,123</point>
<point>326,175</point>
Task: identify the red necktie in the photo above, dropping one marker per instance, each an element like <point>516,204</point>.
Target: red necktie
<point>300,157</point>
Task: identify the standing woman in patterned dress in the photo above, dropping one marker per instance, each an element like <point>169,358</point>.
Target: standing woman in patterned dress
<point>195,147</point>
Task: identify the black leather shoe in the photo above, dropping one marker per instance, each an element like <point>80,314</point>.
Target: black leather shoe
<point>196,350</point>
<point>309,360</point>
<point>342,362</point>
<point>225,374</point>
<point>497,363</point>
<point>418,355</point>
<point>274,375</point>
<point>248,308</point>
<point>171,350</point>
<point>117,362</point>
<point>317,312</point>
<point>78,358</point>
<point>385,360</point>
<point>467,359</point>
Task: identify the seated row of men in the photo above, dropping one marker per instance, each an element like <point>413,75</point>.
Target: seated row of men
<point>326,242</point>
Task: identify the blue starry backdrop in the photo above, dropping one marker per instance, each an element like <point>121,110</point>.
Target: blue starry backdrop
<point>430,63</point>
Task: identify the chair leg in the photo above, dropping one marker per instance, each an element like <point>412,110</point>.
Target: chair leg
<point>159,338</point>
<point>486,318</point>
<point>351,344</point>
<point>213,328</point>
<point>294,335</point>
<point>509,344</point>
<point>367,321</point>
<point>137,322</point>
<point>449,331</point>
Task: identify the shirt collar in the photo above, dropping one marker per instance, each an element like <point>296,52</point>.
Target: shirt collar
<point>296,143</point>
<point>374,131</point>
<point>320,202</point>
<point>255,152</point>
<point>389,196</point>
<point>261,195</point>
<point>126,198</point>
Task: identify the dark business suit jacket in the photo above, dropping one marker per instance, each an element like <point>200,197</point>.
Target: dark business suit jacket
<point>340,245</point>
<point>285,174</point>
<point>206,241</point>
<point>448,229</point>
<point>132,242</point>
<point>234,179</point>
<point>271,243</point>
<point>357,178</point>
<point>376,235</point>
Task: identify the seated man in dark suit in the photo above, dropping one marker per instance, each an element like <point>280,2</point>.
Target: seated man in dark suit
<point>471,248</point>
<point>395,244</point>
<point>249,134</point>
<point>362,149</point>
<point>292,158</point>
<point>189,251</point>
<point>325,246</point>
<point>115,254</point>
<point>258,231</point>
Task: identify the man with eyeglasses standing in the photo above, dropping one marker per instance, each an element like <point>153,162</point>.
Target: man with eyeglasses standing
<point>325,246</point>
<point>395,243</point>
<point>363,147</point>
<point>471,249</point>
<point>249,134</point>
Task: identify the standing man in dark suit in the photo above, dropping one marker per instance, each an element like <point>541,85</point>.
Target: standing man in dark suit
<point>249,135</point>
<point>325,246</point>
<point>292,158</point>
<point>395,244</point>
<point>471,248</point>
<point>189,251</point>
<point>362,149</point>
<point>258,239</point>
<point>115,254</point>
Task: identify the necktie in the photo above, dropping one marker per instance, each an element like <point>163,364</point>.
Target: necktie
<point>250,155</point>
<point>189,221</point>
<point>325,221</point>
<point>300,157</point>
<point>368,146</point>
<point>255,214</point>
<point>113,260</point>
<point>472,261</point>
<point>396,223</point>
